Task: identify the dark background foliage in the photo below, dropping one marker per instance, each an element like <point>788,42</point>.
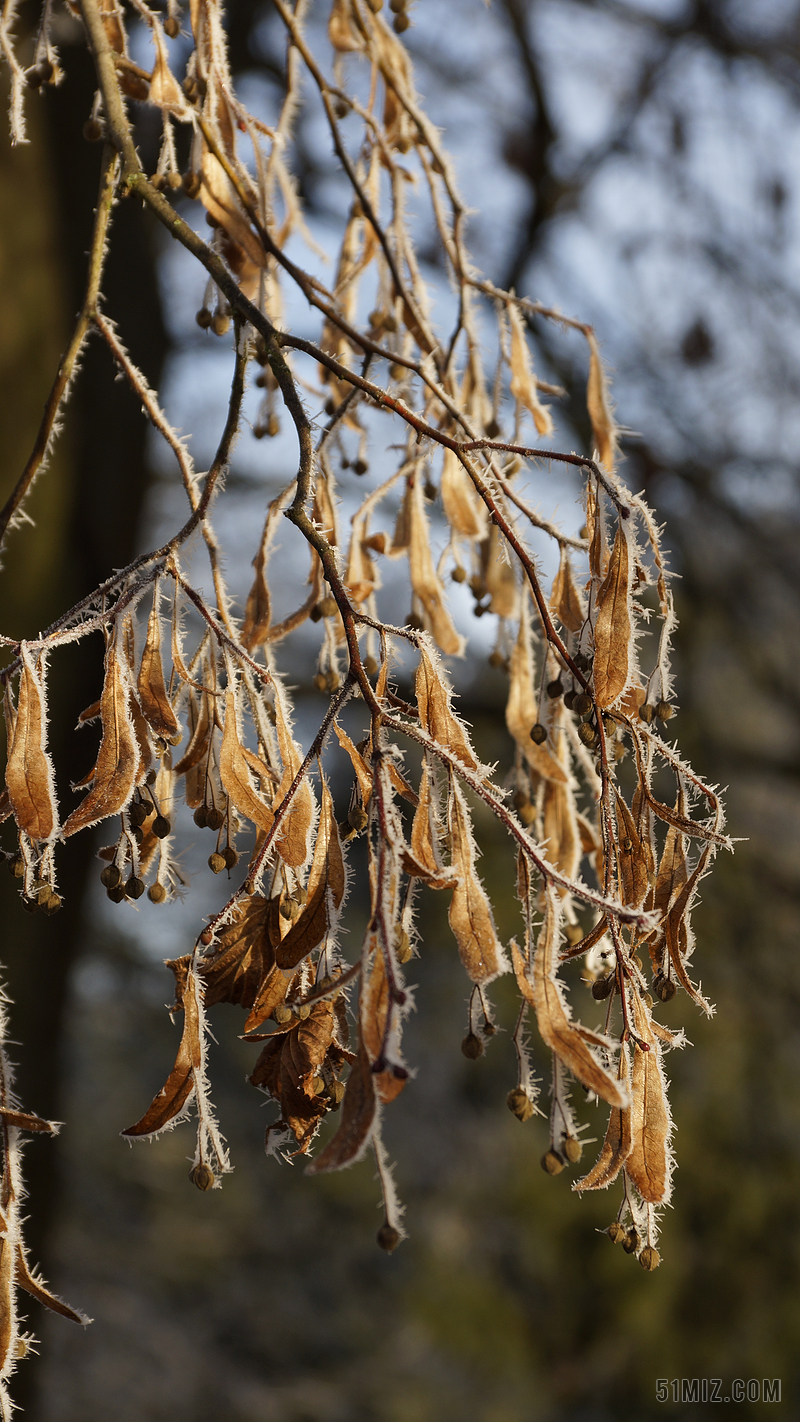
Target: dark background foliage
<point>634,163</point>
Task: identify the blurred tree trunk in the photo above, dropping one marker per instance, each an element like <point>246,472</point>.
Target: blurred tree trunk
<point>86,509</point>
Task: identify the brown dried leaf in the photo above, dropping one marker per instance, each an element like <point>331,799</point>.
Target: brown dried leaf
<point>566,602</point>
<point>424,579</point>
<point>358,1117</point>
<point>39,1290</point>
<point>470,915</point>
<point>463,506</point>
<point>164,87</point>
<point>498,575</point>
<point>612,631</point>
<point>561,832</point>
<point>616,1146</point>
<point>634,879</point>
<point>672,870</point>
<point>523,380</point>
<point>29,772</point>
<point>200,728</point>
<point>326,886</point>
<point>363,773</point>
<point>647,1164</point>
<point>287,1067</point>
<point>119,760</point>
<point>26,1121</point>
<point>292,844</point>
<point>342,33</point>
<point>561,1035</point>
<point>170,1105</point>
<point>234,773</point>
<point>598,404</point>
<point>153,698</point>
<point>436,714</point>
<point>374,1011</point>
<point>521,707</point>
<point>258,609</point>
<point>425,860</point>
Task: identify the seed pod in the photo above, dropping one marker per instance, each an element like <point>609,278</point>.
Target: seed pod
<point>321,681</point>
<point>202,1176</point>
<point>92,130</point>
<point>631,1242</point>
<point>491,429</point>
<point>315,614</point>
<point>161,826</point>
<point>156,893</point>
<point>472,1046</point>
<point>172,26</point>
<point>304,1011</point>
<point>664,712</point>
<point>16,866</point>
<point>555,689</point>
<point>583,704</point>
<point>206,938</point>
<point>519,1104</point>
<point>569,700</point>
<point>646,713</point>
<point>552,1164</point>
<point>220,323</point>
<point>29,905</point>
<point>572,1149</point>
<point>134,888</point>
<point>215,818</point>
<point>360,466</point>
<point>582,662</point>
<point>203,318</point>
<point>538,733</point>
<point>664,988</point>
<point>216,863</point>
<point>327,606</point>
<point>459,575</point>
<point>388,1238</point>
<point>587,733</point>
<point>496,660</point>
<point>616,1232</point>
<point>527,813</point>
<point>282,1014</point>
<point>286,909</point>
<point>415,622</point>
<point>357,818</point>
<point>230,856</point>
<point>404,949</point>
<point>649,1258</point>
<point>117,894</point>
<point>52,903</point>
<point>336,1091</point>
<point>602,987</point>
<point>370,666</point>
<point>400,24</point>
<point>137,814</point>
<point>110,876</point>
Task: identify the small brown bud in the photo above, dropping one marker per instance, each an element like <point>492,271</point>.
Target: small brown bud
<point>400,24</point>
<point>415,622</point>
<point>110,876</point>
<point>631,1242</point>
<point>583,704</point>
<point>92,130</point>
<point>519,1104</point>
<point>569,700</point>
<point>327,606</point>
<point>360,466</point>
<point>202,1176</point>
<point>491,428</point>
<point>538,733</point>
<point>649,1258</point>
<point>552,1164</point>
<point>397,6</point>
<point>555,689</point>
<point>282,1014</point>
<point>206,937</point>
<point>52,903</point>
<point>664,712</point>
<point>472,1046</point>
<point>496,660</point>
<point>230,856</point>
<point>602,987</point>
<point>388,1238</point>
<point>220,323</point>
<point>137,813</point>
<point>527,813</point>
<point>646,713</point>
<point>191,184</point>
<point>572,1149</point>
<point>172,26</point>
<point>16,866</point>
<point>156,893</point>
<point>117,894</point>
<point>286,909</point>
<point>616,1232</point>
<point>370,666</point>
<point>203,318</point>
<point>215,818</point>
<point>134,888</point>
<point>459,575</point>
<point>664,988</point>
<point>357,818</point>
<point>200,817</point>
<point>216,863</point>
<point>161,826</point>
<point>587,733</point>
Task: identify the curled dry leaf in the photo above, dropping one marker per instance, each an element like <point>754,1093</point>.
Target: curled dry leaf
<point>521,708</point>
<point>172,1102</point>
<point>562,1036</point>
<point>425,860</point>
<point>523,380</point>
<point>617,1144</point>
<point>29,772</point>
<point>34,1285</point>
<point>287,1068</point>
<point>358,1118</point>
<point>327,881</point>
<point>119,761</point>
<point>465,510</point>
<point>424,580</point>
<point>612,630</point>
<point>362,771</point>
<point>498,575</point>
<point>470,914</point>
<point>374,1013</point>
<point>436,714</point>
<point>234,772</point>
<point>648,1161</point>
<point>598,403</point>
<point>292,842</point>
<point>153,700</point>
<point>566,602</point>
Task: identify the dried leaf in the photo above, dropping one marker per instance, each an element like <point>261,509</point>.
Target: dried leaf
<point>374,1012</point>
<point>153,698</point>
<point>200,728</point>
<point>171,1103</point>
<point>29,772</point>
<point>561,1035</point>
<point>424,580</point>
<point>258,609</point>
<point>521,707</point>
<point>616,1146</point>
<point>220,199</point>
<point>470,915</point>
<point>631,859</point>
<point>287,1068</point>
<point>598,404</point>
<point>119,758</point>
<point>326,886</point>
<point>26,1121</point>
<point>425,860</point>
<point>523,380</point>
<point>164,87</point>
<point>436,714</point>
<point>363,773</point>
<point>292,844</point>
<point>647,1165</point>
<point>463,506</point>
<point>39,1290</point>
<point>612,631</point>
<point>234,773</point>
<point>566,602</point>
<point>560,829</point>
<point>358,1116</point>
<point>498,575</point>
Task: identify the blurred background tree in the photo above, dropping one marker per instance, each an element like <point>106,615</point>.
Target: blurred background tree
<point>634,164</point>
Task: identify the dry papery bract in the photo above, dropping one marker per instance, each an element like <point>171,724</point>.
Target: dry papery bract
<point>193,706</point>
